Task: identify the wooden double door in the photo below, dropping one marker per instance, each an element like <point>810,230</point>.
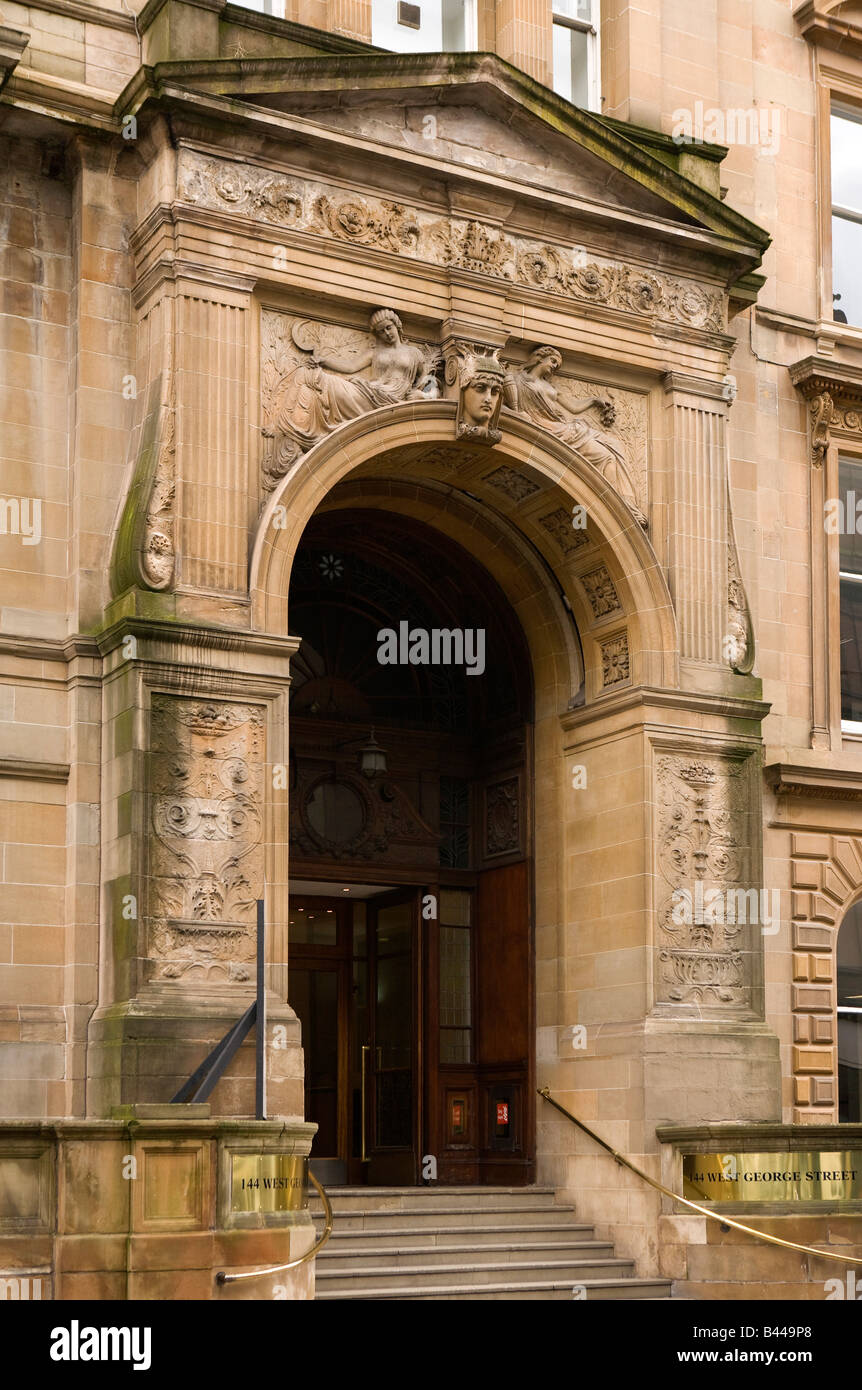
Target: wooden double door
<point>354,983</point>
<point>416,1014</point>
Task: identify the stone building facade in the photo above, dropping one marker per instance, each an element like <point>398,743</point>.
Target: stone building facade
<point>278,302</point>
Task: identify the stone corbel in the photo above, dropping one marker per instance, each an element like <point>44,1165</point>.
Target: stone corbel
<point>833,391</point>
<point>12,45</point>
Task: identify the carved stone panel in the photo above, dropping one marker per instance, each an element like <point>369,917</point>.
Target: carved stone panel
<point>514,485</point>
<point>560,525</point>
<point>206,826</point>
<point>706,861</point>
<point>616,663</point>
<point>600,591</point>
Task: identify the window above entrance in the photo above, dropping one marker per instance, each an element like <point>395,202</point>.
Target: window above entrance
<point>427,26</point>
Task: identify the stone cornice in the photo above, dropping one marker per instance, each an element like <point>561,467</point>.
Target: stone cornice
<point>834,784</point>
<point>62,100</point>
<point>827,29</point>
<point>731,258</point>
<point>49,648</point>
<point>34,771</point>
<point>199,637</point>
<point>12,45</point>
<point>642,697</point>
<point>90,14</point>
<point>814,375</point>
<point>757,1137</point>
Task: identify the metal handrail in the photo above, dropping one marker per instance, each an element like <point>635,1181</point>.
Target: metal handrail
<point>223,1278</point>
<point>725,1221</point>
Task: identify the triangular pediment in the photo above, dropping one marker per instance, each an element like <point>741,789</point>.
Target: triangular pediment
<point>474,115</point>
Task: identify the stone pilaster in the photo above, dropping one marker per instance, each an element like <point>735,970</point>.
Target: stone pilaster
<point>194,808</point>
<point>698,526</point>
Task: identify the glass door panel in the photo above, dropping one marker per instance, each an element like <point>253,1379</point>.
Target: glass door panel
<point>391,1046</point>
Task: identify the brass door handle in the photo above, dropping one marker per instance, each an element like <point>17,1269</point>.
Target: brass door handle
<point>363,1103</point>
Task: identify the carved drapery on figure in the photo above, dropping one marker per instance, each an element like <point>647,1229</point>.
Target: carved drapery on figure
<point>704,861</point>
<point>315,378</point>
<point>206,858</point>
<point>531,392</point>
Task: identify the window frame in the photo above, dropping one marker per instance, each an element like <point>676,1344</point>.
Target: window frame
<point>592,28</point>
<point>471,29</point>
<point>838,105</point>
<point>839,452</point>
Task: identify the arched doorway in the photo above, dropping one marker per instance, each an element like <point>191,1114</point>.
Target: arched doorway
<point>410,910</point>
<point>594,611</point>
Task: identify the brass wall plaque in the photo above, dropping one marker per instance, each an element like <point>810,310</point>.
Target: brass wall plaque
<point>806,1176</point>
<point>268,1182</point>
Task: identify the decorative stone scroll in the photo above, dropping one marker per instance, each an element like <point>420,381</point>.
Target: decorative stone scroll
<point>158,552</point>
<point>703,844</point>
<point>206,858</point>
<point>241,188</point>
<point>465,244</point>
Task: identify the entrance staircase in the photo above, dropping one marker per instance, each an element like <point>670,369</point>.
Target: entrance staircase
<point>467,1243</point>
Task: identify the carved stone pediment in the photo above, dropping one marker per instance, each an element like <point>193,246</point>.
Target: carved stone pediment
<point>453,116</point>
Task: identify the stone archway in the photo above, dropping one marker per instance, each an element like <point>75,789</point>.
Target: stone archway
<point>418,440</point>
<point>511,506</point>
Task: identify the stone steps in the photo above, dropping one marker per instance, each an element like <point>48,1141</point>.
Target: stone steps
<point>468,1243</point>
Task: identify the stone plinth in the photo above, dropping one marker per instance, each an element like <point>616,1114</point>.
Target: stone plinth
<point>709,1261</point>
<point>141,1207</point>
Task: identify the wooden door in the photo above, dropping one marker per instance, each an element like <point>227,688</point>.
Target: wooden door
<point>390,1053</point>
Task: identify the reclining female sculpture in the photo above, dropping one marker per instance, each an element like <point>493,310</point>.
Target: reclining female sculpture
<point>529,392</point>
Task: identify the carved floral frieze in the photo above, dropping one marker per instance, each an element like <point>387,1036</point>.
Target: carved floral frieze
<point>206,858</point>
<point>466,244</point>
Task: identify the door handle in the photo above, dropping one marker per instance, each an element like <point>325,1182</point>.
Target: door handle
<point>362,1103</point>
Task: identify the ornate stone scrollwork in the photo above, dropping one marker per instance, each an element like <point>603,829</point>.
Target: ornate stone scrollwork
<point>318,209</point>
<point>821,411</point>
<point>206,865</point>
<point>311,386</point>
<point>241,188</point>
<point>158,555</point>
<point>703,844</point>
<point>530,391</point>
<point>367,222</point>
